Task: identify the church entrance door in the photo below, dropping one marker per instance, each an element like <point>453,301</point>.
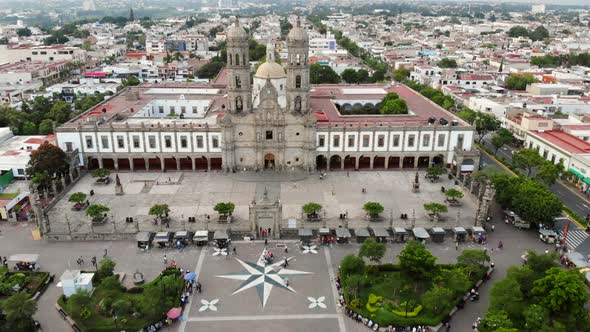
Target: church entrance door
<point>269,161</point>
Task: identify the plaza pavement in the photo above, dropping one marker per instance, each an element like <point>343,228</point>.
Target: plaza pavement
<point>195,194</point>
<point>284,310</point>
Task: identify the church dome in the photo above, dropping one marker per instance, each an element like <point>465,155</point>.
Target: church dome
<point>236,31</point>
<point>297,33</point>
<point>270,70</point>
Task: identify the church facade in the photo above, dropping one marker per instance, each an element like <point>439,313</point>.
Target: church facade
<point>273,120</point>
<point>270,135</point>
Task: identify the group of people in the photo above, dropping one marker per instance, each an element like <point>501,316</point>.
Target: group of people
<point>268,256</point>
<point>154,327</point>
<point>24,266</point>
<point>93,261</point>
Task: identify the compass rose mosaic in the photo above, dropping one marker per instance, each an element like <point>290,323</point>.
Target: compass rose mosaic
<point>263,277</point>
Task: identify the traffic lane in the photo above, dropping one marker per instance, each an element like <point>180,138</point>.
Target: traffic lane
<point>577,204</point>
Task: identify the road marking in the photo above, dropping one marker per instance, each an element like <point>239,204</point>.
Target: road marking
<point>269,317</point>
<point>334,290</point>
<point>197,271</point>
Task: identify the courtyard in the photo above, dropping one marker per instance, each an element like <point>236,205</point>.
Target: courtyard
<point>194,195</point>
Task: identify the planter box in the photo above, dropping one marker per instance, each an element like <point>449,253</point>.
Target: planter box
<point>104,181</point>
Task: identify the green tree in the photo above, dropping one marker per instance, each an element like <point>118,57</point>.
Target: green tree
<point>312,208</point>
<point>540,263</point>
<point>18,311</point>
<point>210,70</point>
<point>435,208</point>
<point>48,159</point>
<point>78,303</point>
<point>373,209</point>
<point>97,211</point>
<point>485,123</point>
<point>447,63</point>
<point>29,128</point>
<point>518,31</point>
<point>60,112</point>
<point>536,204</point>
<point>527,159</point>
<point>349,75</point>
<point>520,81</point>
<point>467,115</point>
<point>363,76</point>
<point>438,300</point>
<point>24,32</point>
<point>122,307</point>
<point>131,81</point>
<point>319,74</point>
<point>456,280</point>
<point>435,172</point>
<point>351,265</point>
<point>474,260</point>
<point>453,194</point>
<point>546,61</point>
<point>159,211</point>
<point>548,173</point>
<point>540,33</point>
<point>562,292</point>
<point>46,127</point>
<point>224,208</point>
<point>502,137</point>
<point>507,296</point>
<point>395,106</point>
<point>101,173</point>
<point>77,197</point>
<point>495,320</point>
<point>105,269</point>
<point>417,261</point>
<point>373,250</point>
<point>536,317</point>
<point>401,74</point>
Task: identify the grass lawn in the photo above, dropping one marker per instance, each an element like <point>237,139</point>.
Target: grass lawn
<point>135,308</point>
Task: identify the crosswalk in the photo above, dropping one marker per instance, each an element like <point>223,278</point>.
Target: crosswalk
<point>574,237</point>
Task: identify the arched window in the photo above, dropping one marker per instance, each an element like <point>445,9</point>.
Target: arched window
<point>230,59</point>
<point>237,59</point>
<point>239,104</point>
<point>244,62</point>
<point>298,104</point>
<point>298,59</point>
<point>298,82</point>
<point>238,82</point>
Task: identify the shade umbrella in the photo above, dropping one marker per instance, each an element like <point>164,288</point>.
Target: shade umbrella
<point>174,313</point>
<point>190,276</point>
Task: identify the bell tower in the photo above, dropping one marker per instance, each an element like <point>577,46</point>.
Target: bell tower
<point>298,70</point>
<point>239,92</point>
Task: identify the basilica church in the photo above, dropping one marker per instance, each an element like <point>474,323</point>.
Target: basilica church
<point>269,123</point>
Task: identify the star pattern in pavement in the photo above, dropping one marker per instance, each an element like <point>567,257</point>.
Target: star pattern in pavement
<point>263,277</point>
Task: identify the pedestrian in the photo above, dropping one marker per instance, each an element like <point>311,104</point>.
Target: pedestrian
<point>286,263</point>
<point>165,259</point>
<point>447,326</point>
<point>491,251</point>
<point>81,260</point>
<point>93,261</point>
<point>235,252</point>
<point>105,253</point>
<point>457,245</point>
<point>265,242</point>
<point>493,227</point>
<point>286,250</point>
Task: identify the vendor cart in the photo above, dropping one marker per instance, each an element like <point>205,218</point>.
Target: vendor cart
<point>342,235</point>
<point>201,238</point>
<point>144,239</point>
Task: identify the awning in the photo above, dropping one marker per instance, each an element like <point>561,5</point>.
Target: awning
<point>162,237</point>
<point>29,258</point>
<point>478,230</point>
<point>181,235</point>
<point>201,236</point>
<point>586,180</point>
<point>438,230</point>
<point>143,236</point>
<point>220,235</point>
<point>399,230</point>
<point>324,231</point>
<point>420,233</point>
<point>342,233</point>
<point>459,230</point>
<point>362,232</point>
<point>380,232</point>
<point>305,232</point>
<point>576,173</point>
